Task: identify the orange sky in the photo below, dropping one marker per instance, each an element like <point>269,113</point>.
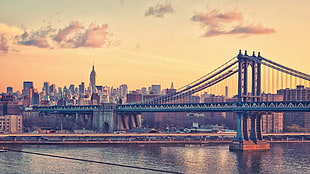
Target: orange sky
<point>141,43</point>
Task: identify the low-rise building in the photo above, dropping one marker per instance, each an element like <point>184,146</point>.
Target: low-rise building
<point>11,124</point>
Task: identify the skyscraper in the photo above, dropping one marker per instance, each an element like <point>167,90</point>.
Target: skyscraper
<point>46,87</point>
<point>155,89</point>
<point>82,88</point>
<point>35,97</point>
<point>123,89</point>
<point>171,90</point>
<point>28,85</point>
<point>27,89</point>
<point>52,89</point>
<point>71,89</point>
<point>92,80</point>
<point>9,90</point>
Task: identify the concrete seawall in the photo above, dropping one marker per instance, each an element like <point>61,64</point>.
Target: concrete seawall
<point>131,142</point>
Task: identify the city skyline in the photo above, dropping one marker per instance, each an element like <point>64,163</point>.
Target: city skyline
<point>140,43</point>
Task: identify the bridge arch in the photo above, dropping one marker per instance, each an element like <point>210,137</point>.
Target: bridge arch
<point>106,127</point>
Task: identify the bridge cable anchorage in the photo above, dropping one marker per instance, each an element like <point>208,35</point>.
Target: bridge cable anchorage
<point>91,161</point>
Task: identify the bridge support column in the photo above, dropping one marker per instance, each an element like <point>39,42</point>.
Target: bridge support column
<point>259,127</point>
<point>133,122</point>
<point>121,122</point>
<point>245,127</point>
<point>76,117</point>
<point>138,118</point>
<point>126,121</point>
<point>253,127</point>
<point>239,127</point>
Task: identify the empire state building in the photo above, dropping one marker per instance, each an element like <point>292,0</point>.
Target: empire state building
<point>92,80</point>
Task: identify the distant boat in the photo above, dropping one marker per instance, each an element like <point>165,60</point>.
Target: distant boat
<point>3,150</point>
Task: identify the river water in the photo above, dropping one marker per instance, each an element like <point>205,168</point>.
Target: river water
<point>191,159</point>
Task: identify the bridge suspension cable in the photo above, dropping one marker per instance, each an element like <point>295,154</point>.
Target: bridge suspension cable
<point>281,68</point>
<point>190,84</point>
<point>204,81</point>
<point>287,68</point>
<point>228,69</point>
<point>271,77</point>
<point>207,83</point>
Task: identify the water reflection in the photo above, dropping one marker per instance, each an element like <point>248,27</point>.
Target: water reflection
<point>282,158</point>
<point>249,162</point>
<point>9,161</point>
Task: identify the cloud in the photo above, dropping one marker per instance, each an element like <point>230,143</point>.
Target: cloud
<point>75,35</point>
<point>39,38</point>
<point>7,34</point>
<point>9,30</point>
<point>95,36</point>
<point>243,30</point>
<point>214,32</point>
<point>63,34</point>
<point>228,23</point>
<point>36,41</point>
<point>4,48</point>
<point>160,10</point>
<point>252,29</point>
<point>215,18</point>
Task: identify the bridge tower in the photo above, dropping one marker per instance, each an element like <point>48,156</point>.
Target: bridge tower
<point>249,68</point>
<point>107,120</point>
<point>104,118</point>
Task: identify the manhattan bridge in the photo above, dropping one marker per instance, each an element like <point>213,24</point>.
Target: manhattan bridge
<point>249,75</point>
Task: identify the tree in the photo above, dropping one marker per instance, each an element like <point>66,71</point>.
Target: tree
<point>294,128</point>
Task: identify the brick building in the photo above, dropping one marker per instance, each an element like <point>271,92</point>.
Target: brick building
<point>272,122</point>
<point>299,118</point>
<point>11,124</point>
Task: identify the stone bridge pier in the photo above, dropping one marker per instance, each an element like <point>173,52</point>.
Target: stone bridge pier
<point>107,120</point>
<point>243,140</point>
<point>128,121</point>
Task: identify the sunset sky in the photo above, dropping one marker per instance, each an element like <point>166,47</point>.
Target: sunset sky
<point>144,42</point>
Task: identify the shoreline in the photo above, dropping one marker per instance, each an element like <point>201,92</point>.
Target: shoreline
<point>142,138</point>
<point>129,142</point>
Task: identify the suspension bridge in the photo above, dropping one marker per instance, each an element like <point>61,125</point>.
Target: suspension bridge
<point>247,76</point>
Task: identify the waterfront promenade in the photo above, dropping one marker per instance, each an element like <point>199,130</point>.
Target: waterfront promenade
<point>141,138</point>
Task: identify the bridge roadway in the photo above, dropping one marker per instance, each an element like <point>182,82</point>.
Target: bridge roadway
<point>283,106</point>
